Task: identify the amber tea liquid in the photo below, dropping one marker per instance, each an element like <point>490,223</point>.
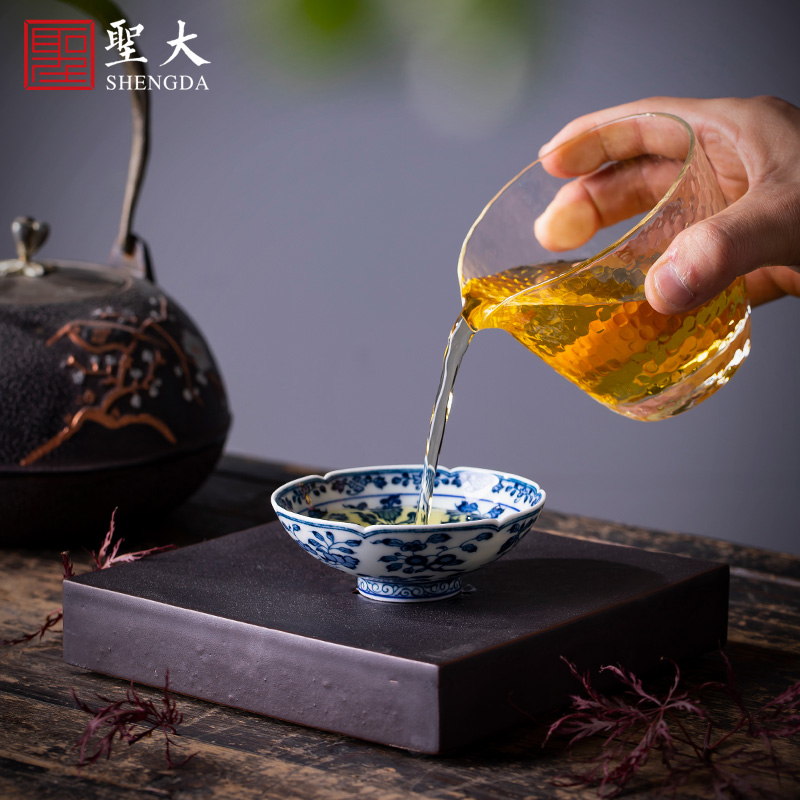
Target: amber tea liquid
<point>639,363</point>
<point>625,355</point>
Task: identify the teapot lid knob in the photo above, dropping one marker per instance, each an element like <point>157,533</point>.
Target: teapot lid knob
<point>29,235</point>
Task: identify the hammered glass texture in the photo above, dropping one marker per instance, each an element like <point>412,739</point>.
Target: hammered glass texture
<point>591,322</point>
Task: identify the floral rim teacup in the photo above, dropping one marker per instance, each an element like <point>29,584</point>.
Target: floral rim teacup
<point>362,521</point>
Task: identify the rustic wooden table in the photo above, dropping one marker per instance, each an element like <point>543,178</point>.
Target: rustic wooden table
<point>241,755</point>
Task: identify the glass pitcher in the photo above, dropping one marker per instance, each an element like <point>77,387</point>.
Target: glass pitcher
<point>559,261</point>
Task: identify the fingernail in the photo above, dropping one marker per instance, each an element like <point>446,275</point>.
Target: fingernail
<point>671,287</point>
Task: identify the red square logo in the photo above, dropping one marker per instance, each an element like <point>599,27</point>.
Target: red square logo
<point>59,54</point>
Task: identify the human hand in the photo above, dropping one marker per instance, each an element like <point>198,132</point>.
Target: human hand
<point>754,149</point>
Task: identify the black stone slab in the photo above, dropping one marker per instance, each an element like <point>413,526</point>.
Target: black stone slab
<point>250,620</point>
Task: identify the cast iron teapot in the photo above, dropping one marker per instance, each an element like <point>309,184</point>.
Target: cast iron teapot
<point>109,395</point>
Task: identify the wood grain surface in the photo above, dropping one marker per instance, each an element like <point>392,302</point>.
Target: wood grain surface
<point>241,755</point>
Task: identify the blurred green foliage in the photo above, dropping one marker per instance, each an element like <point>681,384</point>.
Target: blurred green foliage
<point>464,64</point>
<point>329,17</point>
<point>328,39</point>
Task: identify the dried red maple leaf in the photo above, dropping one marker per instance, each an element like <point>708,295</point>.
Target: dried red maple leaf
<point>53,618</point>
<point>742,763</point>
<point>633,725</point>
<point>781,716</point>
<point>128,720</point>
<point>106,557</point>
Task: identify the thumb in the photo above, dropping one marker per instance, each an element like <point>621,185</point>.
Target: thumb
<point>755,231</point>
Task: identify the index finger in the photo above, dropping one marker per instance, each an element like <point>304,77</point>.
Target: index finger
<point>617,139</point>
<point>687,108</point>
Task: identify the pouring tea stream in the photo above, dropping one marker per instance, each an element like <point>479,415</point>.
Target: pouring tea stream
<point>548,265</point>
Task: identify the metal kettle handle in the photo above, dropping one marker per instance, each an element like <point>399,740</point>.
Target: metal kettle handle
<point>129,252</point>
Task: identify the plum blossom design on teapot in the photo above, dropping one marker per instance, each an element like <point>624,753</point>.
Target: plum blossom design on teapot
<point>117,364</point>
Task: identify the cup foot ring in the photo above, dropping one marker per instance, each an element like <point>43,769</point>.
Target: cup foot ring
<point>390,592</point>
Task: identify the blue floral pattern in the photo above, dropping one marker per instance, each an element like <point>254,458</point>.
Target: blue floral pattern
<point>415,556</point>
<point>390,512</point>
<point>516,489</point>
<point>517,531</point>
<point>327,547</point>
<point>485,515</point>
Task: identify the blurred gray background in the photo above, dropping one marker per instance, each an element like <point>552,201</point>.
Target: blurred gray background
<point>308,212</point>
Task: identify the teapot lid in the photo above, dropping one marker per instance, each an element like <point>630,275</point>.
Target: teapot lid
<point>26,281</point>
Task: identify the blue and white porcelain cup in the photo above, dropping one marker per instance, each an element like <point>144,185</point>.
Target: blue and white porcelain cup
<point>362,521</point>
